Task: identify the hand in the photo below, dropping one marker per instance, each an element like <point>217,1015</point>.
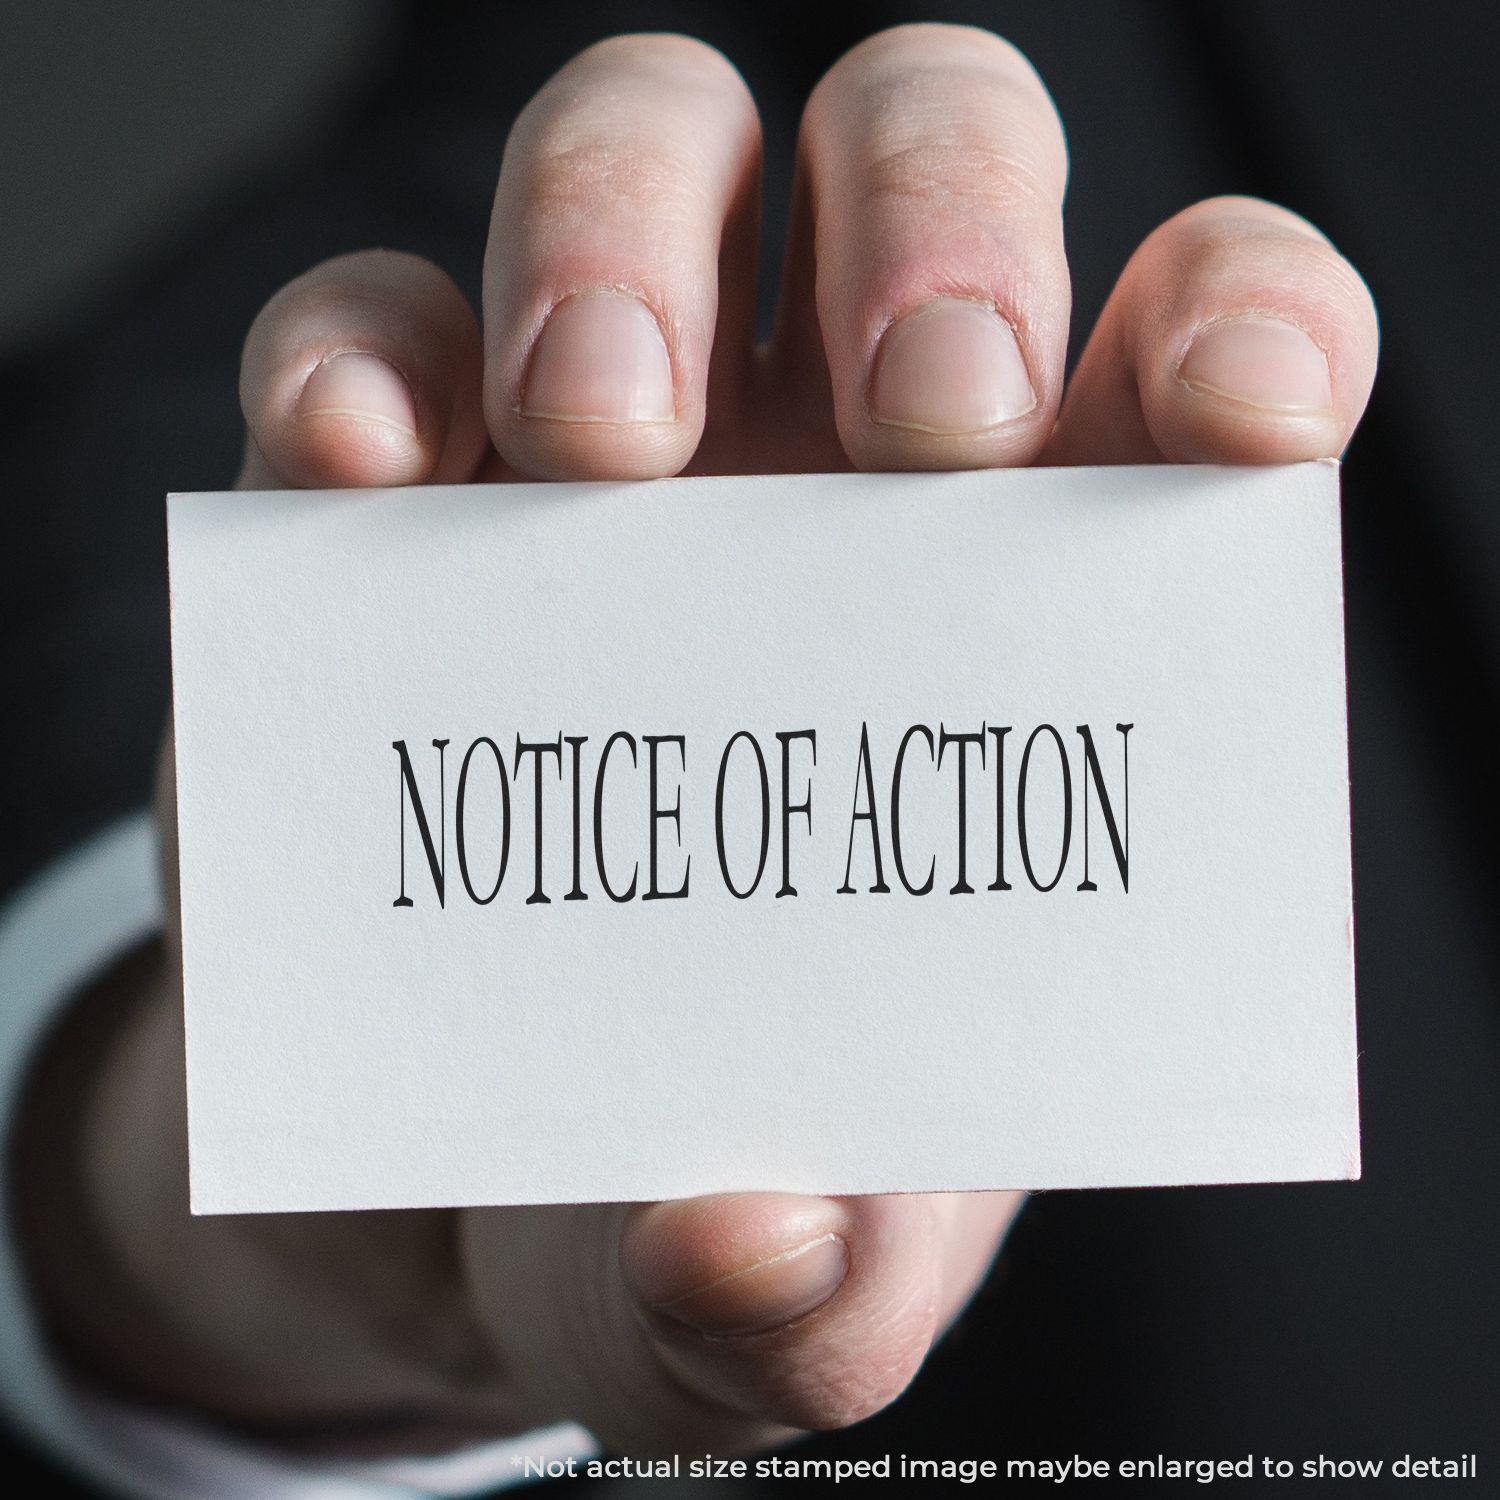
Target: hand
<point>923,326</point>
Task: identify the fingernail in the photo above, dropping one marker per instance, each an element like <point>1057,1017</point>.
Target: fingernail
<point>360,386</point>
<point>1260,362</point>
<point>767,1294</point>
<point>950,366</point>
<point>600,358</point>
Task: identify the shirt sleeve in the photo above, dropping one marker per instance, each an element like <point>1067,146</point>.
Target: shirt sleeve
<point>57,934</point>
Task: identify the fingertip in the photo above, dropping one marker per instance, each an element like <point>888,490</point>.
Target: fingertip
<point>355,425</point>
<point>734,1265</point>
<point>599,398</point>
<point>809,1313</point>
<point>546,448</point>
<point>1254,340</point>
<point>363,372</point>
<point>1265,365</point>
<point>1248,389</point>
<point>950,388</point>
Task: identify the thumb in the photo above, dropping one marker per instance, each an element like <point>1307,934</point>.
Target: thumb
<point>724,1323</point>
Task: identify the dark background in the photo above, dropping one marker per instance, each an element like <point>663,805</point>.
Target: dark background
<point>166,168</point>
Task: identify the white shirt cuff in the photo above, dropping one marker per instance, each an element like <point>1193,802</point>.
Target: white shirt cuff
<point>58,933</point>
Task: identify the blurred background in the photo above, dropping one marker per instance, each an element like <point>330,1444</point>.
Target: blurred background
<point>123,124</point>
<point>166,167</point>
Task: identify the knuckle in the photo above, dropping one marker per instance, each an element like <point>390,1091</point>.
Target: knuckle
<point>972,115</point>
<point>656,118</point>
<point>364,273</point>
<point>1243,244</point>
<point>347,288</point>
<point>573,163</point>
<point>609,82</point>
<point>960,167</point>
<point>1243,208</point>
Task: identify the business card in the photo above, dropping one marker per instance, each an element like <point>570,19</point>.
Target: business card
<point>834,834</point>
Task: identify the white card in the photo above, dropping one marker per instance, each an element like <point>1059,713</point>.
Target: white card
<point>1148,981</point>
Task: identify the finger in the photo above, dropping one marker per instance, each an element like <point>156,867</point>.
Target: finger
<point>365,371</point>
<point>1236,334</point>
<point>620,261</point>
<point>731,1321</point>
<point>935,166</point>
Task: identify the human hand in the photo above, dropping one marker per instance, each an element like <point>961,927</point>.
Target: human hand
<point>923,325</point>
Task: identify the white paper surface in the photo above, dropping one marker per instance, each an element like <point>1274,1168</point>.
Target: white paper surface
<point>348,1052</point>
